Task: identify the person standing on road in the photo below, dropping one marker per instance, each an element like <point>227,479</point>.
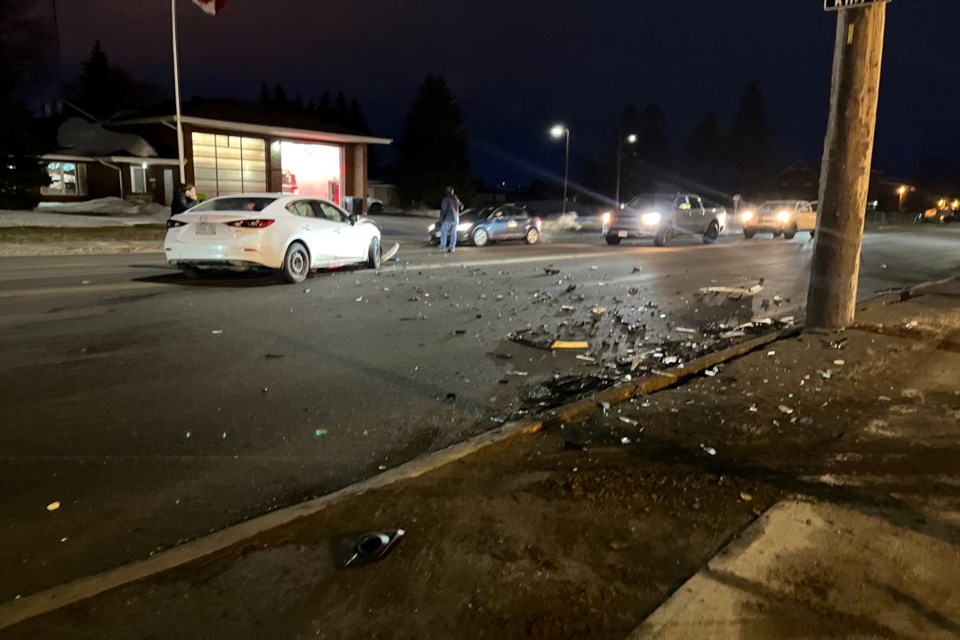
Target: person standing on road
<point>449,219</point>
<point>185,198</point>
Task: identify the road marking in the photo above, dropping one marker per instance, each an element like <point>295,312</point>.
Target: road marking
<point>89,288</point>
<point>528,259</point>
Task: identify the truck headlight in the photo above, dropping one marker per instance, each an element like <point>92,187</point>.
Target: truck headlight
<point>650,219</point>
<point>746,216</point>
<point>783,216</point>
<point>431,228</point>
<point>606,217</point>
<point>464,226</point>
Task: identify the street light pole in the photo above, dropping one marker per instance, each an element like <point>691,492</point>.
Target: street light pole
<point>557,131</point>
<point>620,140</point>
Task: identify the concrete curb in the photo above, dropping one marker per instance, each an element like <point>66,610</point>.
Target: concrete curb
<point>48,600</point>
<point>903,295</point>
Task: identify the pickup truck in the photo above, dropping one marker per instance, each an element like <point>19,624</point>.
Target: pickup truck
<point>780,217</point>
<point>663,217</point>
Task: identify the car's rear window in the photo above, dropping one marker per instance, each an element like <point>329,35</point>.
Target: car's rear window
<point>239,203</point>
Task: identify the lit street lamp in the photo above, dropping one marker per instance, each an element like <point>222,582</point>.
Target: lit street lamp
<point>902,191</point>
<point>560,131</point>
<point>632,139</point>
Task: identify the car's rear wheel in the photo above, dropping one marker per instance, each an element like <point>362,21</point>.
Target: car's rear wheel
<point>375,209</point>
<point>296,264</point>
<point>711,234</point>
<point>748,233</point>
<point>532,236</point>
<point>661,238</point>
<point>481,237</point>
<point>374,254</point>
<point>790,233</point>
<point>614,239</point>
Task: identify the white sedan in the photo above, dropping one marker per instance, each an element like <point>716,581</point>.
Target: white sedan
<point>290,233</point>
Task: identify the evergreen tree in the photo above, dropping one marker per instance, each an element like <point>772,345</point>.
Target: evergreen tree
<point>264,100</point>
<point>96,93</point>
<point>341,111</point>
<point>751,148</point>
<point>358,123</point>
<point>21,174</point>
<point>280,100</point>
<point>323,108</point>
<point>432,152</point>
<point>703,154</point>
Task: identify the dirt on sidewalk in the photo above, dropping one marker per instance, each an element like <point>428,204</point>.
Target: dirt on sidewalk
<point>583,531</point>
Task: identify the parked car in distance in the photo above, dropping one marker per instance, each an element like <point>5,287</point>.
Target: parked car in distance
<point>663,217</point>
<point>292,234</point>
<point>786,217</point>
<point>481,226</point>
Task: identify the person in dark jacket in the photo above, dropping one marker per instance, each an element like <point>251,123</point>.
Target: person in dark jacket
<point>185,198</point>
<point>449,219</point>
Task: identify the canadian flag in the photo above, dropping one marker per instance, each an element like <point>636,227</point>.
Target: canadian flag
<point>213,7</point>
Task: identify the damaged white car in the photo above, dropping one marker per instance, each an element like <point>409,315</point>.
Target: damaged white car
<point>289,233</point>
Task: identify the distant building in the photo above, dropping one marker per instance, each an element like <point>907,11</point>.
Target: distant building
<point>229,146</point>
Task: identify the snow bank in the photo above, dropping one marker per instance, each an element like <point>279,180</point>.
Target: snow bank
<point>108,207</point>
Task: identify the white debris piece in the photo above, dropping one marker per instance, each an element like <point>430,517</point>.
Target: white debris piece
<point>627,420</point>
<point>785,409</point>
<point>624,440</point>
<point>53,506</point>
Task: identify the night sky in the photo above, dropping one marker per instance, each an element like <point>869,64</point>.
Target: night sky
<point>518,66</point>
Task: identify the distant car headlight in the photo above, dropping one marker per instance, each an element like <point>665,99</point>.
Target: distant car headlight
<point>746,216</point>
<point>431,228</point>
<point>783,216</point>
<point>465,226</point>
<point>606,217</point>
<point>651,219</point>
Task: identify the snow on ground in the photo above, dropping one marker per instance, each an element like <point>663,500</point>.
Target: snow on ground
<point>103,212</point>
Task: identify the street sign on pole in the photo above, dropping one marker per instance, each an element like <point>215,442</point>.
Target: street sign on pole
<point>837,5</point>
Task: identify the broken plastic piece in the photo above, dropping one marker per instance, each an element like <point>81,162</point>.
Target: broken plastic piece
<point>624,440</point>
<point>373,546</point>
<point>391,253</point>
<point>598,311</point>
<point>626,420</point>
<point>53,506</point>
<point>605,406</point>
<point>785,409</point>
<point>708,450</point>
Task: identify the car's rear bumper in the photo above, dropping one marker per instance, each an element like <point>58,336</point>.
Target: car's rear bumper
<point>216,256</point>
<point>767,227</point>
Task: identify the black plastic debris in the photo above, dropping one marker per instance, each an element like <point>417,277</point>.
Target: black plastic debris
<point>561,389</point>
<point>838,344</point>
<point>551,271</point>
<point>451,397</point>
<point>373,546</point>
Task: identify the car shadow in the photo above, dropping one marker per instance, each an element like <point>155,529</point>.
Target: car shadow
<point>237,280</point>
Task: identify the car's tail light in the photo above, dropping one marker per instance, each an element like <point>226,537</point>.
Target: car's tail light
<point>257,223</point>
<point>172,224</point>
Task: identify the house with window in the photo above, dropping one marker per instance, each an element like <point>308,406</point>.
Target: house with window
<point>229,147</point>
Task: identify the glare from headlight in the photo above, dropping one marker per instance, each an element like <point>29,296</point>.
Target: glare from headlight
<point>464,226</point>
<point>431,228</point>
<point>606,217</point>
<point>650,219</point>
<point>783,216</point>
<point>722,219</point>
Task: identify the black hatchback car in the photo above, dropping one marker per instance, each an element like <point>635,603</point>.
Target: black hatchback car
<point>481,226</point>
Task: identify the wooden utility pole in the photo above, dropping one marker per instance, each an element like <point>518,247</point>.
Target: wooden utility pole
<point>845,171</point>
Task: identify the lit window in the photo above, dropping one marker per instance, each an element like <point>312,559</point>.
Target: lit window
<point>66,179</point>
<point>138,179</point>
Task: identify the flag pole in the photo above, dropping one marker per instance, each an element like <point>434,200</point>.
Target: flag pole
<point>176,89</point>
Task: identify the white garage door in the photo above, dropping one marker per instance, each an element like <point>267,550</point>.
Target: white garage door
<point>229,164</point>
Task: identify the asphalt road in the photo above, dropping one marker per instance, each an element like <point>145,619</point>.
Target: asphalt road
<point>155,408</point>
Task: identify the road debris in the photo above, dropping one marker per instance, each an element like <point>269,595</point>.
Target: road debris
<point>551,271</point>
<point>838,344</point>
<point>785,409</point>
<point>389,255</point>
<point>373,546</point>
<point>562,344</point>
<point>272,356</point>
<point>360,299</point>
<point>839,363</point>
<point>746,497</point>
<point>598,311</point>
<point>586,358</point>
<point>605,407</point>
<point>710,372</point>
<point>319,432</point>
<point>53,506</point>
<point>708,450</point>
<point>626,420</point>
<point>624,440</point>
<point>685,330</point>
<point>217,332</point>
<point>517,373</point>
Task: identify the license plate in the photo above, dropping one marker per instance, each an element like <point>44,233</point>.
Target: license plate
<point>206,229</point>
<point>622,234</point>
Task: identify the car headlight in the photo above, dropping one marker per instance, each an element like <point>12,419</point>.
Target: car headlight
<point>746,216</point>
<point>606,217</point>
<point>783,216</point>
<point>431,228</point>
<point>650,219</point>
<point>464,226</point>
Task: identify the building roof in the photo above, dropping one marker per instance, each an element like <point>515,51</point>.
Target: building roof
<point>233,115</point>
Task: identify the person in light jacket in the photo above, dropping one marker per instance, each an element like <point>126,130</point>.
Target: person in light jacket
<point>449,219</point>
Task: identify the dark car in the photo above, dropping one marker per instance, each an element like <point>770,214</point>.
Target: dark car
<point>664,216</point>
<point>491,224</point>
